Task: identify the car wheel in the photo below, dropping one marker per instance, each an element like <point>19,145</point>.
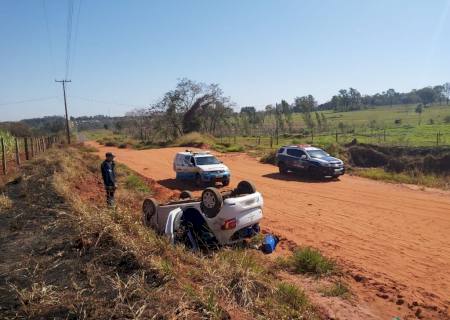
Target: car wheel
<point>245,187</point>
<point>198,180</point>
<point>186,195</point>
<point>314,173</point>
<point>282,168</point>
<point>149,208</point>
<point>211,202</point>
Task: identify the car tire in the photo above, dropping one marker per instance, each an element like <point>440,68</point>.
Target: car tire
<point>211,202</point>
<point>245,187</point>
<point>149,209</point>
<point>186,195</point>
<point>314,173</point>
<point>282,168</point>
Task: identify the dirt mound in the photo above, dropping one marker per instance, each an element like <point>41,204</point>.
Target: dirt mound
<point>364,156</point>
<point>402,159</point>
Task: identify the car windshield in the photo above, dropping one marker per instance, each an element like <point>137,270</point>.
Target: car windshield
<point>201,161</point>
<point>317,154</point>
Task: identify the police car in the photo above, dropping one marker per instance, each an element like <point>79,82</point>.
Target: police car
<point>307,159</point>
<point>200,167</point>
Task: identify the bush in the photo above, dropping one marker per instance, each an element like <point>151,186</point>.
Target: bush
<point>308,260</point>
<point>122,146</point>
<point>292,296</point>
<point>194,139</point>
<point>110,144</point>
<point>269,157</point>
<point>447,119</point>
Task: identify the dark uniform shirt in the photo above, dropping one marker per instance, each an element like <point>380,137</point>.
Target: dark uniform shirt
<point>108,173</point>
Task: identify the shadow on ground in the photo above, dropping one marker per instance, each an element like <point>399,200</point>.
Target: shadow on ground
<point>298,177</point>
<point>175,184</point>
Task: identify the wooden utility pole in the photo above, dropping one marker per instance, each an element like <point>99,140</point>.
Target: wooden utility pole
<point>2,142</point>
<point>65,107</point>
<point>17,153</point>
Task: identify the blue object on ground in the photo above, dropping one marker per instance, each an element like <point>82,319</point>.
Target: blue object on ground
<point>269,244</point>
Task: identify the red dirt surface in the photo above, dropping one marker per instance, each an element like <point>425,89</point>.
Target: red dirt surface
<point>393,241</point>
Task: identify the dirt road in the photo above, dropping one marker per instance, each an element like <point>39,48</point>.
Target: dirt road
<point>392,239</point>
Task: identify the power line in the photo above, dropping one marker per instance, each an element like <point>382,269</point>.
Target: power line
<point>77,22</point>
<point>109,102</point>
<point>28,100</point>
<point>49,36</point>
<point>69,35</point>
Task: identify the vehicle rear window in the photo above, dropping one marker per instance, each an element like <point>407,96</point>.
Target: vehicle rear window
<point>281,150</point>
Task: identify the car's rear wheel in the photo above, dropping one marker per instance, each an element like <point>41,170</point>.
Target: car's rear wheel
<point>186,195</point>
<point>149,209</point>
<point>211,202</point>
<point>282,168</point>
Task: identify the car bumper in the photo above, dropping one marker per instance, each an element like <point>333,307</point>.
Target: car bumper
<point>215,177</point>
<point>333,171</point>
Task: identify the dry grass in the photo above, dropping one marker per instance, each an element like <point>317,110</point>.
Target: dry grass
<point>5,202</point>
<point>115,267</point>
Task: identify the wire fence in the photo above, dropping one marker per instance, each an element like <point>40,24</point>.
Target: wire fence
<point>15,150</point>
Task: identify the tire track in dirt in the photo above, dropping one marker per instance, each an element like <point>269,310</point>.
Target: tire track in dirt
<point>394,240</point>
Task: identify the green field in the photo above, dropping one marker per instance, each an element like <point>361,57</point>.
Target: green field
<point>398,125</point>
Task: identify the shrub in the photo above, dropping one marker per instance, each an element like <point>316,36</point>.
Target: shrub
<point>310,261</point>
<point>122,146</point>
<point>110,144</point>
<point>269,157</point>
<point>447,119</point>
<point>292,296</point>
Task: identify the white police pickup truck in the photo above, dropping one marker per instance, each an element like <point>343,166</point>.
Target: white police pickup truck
<point>200,167</point>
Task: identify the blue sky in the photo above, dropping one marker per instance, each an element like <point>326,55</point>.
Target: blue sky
<point>128,53</point>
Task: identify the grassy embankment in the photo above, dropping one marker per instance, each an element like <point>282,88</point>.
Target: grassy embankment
<point>81,259</point>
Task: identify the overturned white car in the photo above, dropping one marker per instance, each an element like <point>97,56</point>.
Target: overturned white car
<point>214,219</point>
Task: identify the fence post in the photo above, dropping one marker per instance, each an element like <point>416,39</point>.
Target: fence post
<point>17,153</point>
<point>27,152</point>
<point>32,147</point>
<point>384,135</point>
<point>336,136</point>
<point>234,139</point>
<point>271,142</point>
<point>3,156</point>
<point>437,138</point>
<point>312,135</point>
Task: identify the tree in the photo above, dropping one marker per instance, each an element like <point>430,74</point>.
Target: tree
<point>390,93</point>
<point>419,110</point>
<point>306,105</point>
<point>427,95</point>
<point>447,91</point>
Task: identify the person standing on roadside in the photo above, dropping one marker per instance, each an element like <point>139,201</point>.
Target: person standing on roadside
<point>109,177</point>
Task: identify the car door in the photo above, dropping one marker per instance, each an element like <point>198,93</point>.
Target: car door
<point>303,162</point>
<point>293,158</point>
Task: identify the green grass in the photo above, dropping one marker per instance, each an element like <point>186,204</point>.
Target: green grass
<point>292,296</point>
<point>417,178</point>
<point>376,126</point>
<point>134,182</point>
<point>310,261</point>
<point>336,289</point>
